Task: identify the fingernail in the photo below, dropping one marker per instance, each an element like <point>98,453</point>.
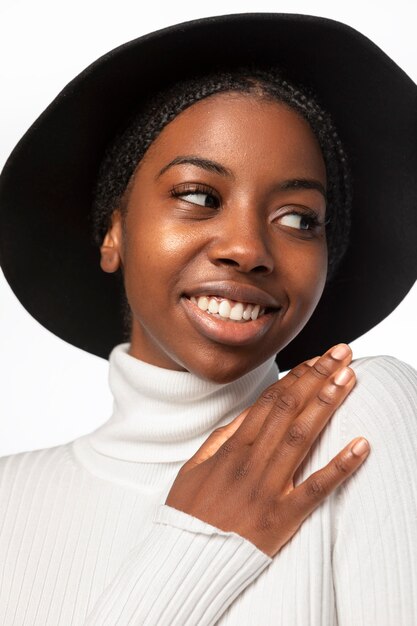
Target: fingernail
<point>340,352</point>
<point>312,361</point>
<point>343,376</point>
<point>360,448</point>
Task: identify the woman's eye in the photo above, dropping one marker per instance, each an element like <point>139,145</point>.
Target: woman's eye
<point>203,199</point>
<point>298,221</point>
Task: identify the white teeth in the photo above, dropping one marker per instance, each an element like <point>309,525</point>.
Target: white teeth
<point>224,309</point>
<point>228,309</point>
<point>203,303</point>
<point>237,312</point>
<point>247,312</point>
<point>213,306</point>
<point>255,312</point>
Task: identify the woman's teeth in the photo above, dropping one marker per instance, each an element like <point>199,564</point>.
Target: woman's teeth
<point>228,309</point>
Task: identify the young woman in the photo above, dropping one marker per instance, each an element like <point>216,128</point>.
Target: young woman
<point>219,192</point>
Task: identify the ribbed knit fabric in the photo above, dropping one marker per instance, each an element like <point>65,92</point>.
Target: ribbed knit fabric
<point>86,539</point>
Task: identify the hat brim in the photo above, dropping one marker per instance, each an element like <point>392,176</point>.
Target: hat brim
<point>46,186</point>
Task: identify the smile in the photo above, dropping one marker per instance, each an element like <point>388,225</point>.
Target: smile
<point>221,327</point>
<point>226,309</point>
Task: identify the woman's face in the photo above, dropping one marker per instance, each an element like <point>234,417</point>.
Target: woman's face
<point>225,211</point>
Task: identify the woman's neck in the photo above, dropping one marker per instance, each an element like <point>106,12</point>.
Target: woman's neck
<point>163,416</point>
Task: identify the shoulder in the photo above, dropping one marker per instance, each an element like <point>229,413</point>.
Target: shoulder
<point>382,408</point>
<point>375,509</point>
<point>386,370</point>
<point>25,467</point>
<point>385,394</point>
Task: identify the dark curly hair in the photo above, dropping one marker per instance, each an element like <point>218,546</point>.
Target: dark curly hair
<point>128,148</point>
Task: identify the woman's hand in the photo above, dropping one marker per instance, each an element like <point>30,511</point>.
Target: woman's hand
<point>242,478</point>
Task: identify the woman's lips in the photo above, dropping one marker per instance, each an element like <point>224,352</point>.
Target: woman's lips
<point>227,331</point>
<point>233,290</point>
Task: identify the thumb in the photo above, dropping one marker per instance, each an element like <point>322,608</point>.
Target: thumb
<point>214,442</point>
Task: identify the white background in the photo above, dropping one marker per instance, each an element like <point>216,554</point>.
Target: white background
<point>50,391</point>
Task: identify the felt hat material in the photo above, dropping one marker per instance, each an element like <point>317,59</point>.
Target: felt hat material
<point>46,186</point>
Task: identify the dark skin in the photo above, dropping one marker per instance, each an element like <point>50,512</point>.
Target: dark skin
<point>243,240</point>
<point>229,204</point>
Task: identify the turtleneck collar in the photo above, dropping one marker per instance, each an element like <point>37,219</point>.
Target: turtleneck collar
<point>163,416</point>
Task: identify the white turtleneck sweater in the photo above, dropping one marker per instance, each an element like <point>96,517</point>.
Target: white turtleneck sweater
<point>86,539</point>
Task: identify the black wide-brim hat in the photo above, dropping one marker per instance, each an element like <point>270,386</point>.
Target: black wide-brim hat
<point>46,187</point>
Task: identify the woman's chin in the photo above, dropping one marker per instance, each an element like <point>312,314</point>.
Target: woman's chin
<point>226,368</point>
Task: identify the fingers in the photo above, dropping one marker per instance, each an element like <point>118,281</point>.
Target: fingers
<point>220,435</point>
<point>256,475</point>
<point>293,375</point>
<point>286,450</point>
<point>281,403</point>
<point>216,439</point>
<point>327,365</point>
<point>309,494</point>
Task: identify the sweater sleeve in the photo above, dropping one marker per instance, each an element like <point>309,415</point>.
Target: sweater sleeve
<point>375,546</point>
<point>185,573</point>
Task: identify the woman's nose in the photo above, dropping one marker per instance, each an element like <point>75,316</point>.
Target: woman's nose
<point>242,243</point>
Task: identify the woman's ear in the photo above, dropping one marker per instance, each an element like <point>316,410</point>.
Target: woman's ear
<point>111,249</point>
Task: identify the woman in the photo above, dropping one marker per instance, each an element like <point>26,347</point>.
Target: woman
<point>221,198</point>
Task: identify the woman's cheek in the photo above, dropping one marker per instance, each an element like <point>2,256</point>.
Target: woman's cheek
<point>315,279</point>
<point>308,277</point>
<point>175,243</point>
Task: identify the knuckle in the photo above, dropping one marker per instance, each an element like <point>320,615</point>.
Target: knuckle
<point>315,488</point>
<point>342,466</point>
<point>286,402</point>
<point>327,396</point>
<point>321,369</point>
<point>299,370</point>
<point>226,449</point>
<point>296,435</point>
<point>241,470</point>
<point>269,396</point>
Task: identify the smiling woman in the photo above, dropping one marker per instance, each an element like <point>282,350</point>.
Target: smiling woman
<point>220,200</point>
<point>222,232</point>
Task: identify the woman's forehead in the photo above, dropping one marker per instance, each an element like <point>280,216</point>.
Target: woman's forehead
<point>237,129</point>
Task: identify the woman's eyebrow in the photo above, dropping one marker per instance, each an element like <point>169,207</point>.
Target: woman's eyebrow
<point>206,164</point>
<point>217,168</point>
<point>302,183</point>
